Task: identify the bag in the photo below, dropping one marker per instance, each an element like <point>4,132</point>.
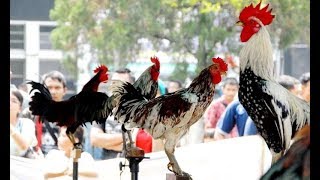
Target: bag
<point>33,153</point>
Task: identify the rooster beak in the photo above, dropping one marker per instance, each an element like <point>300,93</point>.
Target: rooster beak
<point>223,73</point>
<point>239,23</point>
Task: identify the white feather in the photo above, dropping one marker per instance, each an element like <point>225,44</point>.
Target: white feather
<point>299,110</point>
<point>258,51</point>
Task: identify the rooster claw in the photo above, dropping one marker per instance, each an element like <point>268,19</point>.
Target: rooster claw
<point>184,174</point>
<point>170,167</point>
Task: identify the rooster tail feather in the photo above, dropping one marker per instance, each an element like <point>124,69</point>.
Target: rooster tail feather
<point>125,99</point>
<point>40,100</point>
<point>116,87</point>
<point>40,87</point>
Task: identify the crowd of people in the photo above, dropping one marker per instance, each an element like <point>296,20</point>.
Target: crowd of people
<point>29,137</point>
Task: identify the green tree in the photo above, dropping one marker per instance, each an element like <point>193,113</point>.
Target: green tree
<point>190,27</point>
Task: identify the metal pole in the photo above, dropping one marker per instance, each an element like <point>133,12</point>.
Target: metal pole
<point>134,167</point>
<point>76,154</point>
<point>75,170</point>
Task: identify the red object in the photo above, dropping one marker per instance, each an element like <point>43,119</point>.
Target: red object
<point>144,141</point>
<point>39,130</point>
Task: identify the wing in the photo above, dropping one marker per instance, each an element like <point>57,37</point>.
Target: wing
<point>81,108</point>
<point>266,111</point>
<point>170,109</point>
<point>93,106</point>
<point>51,110</point>
<point>299,109</point>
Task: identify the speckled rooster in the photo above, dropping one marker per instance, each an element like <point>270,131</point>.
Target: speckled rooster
<point>147,86</point>
<point>169,116</point>
<point>277,113</point>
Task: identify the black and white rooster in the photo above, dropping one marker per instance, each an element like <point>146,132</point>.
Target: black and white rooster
<point>276,112</point>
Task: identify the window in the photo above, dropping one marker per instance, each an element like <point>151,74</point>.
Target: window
<point>18,71</point>
<point>45,42</point>
<point>17,36</point>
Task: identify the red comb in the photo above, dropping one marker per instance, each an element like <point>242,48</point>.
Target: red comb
<point>102,68</point>
<point>263,14</point>
<point>222,65</point>
<point>155,60</point>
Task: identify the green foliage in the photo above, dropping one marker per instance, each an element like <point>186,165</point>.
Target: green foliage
<point>180,70</point>
<point>113,28</point>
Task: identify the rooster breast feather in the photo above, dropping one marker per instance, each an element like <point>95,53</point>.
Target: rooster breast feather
<point>277,113</point>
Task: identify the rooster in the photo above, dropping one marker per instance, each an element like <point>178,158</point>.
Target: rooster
<point>277,113</point>
<point>146,85</point>
<point>295,164</point>
<point>169,116</point>
<point>87,106</point>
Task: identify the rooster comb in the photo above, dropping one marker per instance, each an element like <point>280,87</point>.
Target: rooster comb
<point>101,68</point>
<point>264,15</point>
<point>222,65</point>
<point>156,62</point>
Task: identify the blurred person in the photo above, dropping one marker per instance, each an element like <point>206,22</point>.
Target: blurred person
<point>234,116</point>
<point>47,132</point>
<point>290,83</point>
<point>59,162</point>
<point>305,86</point>
<point>23,87</point>
<point>22,130</point>
<point>108,136</point>
<point>230,87</point>
<point>174,85</point>
<point>233,64</point>
<point>162,89</point>
<point>25,93</point>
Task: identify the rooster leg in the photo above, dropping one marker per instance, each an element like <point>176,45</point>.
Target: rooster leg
<point>124,147</point>
<point>70,135</point>
<point>169,149</point>
<point>130,137</point>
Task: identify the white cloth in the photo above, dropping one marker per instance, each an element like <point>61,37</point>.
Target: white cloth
<point>56,162</point>
<point>26,128</point>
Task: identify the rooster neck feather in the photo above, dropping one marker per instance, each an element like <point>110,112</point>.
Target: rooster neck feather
<point>257,53</point>
<point>145,82</point>
<point>93,84</point>
<point>202,83</point>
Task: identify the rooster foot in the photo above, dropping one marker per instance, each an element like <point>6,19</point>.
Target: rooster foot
<point>184,174</point>
<point>134,151</point>
<point>77,146</point>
